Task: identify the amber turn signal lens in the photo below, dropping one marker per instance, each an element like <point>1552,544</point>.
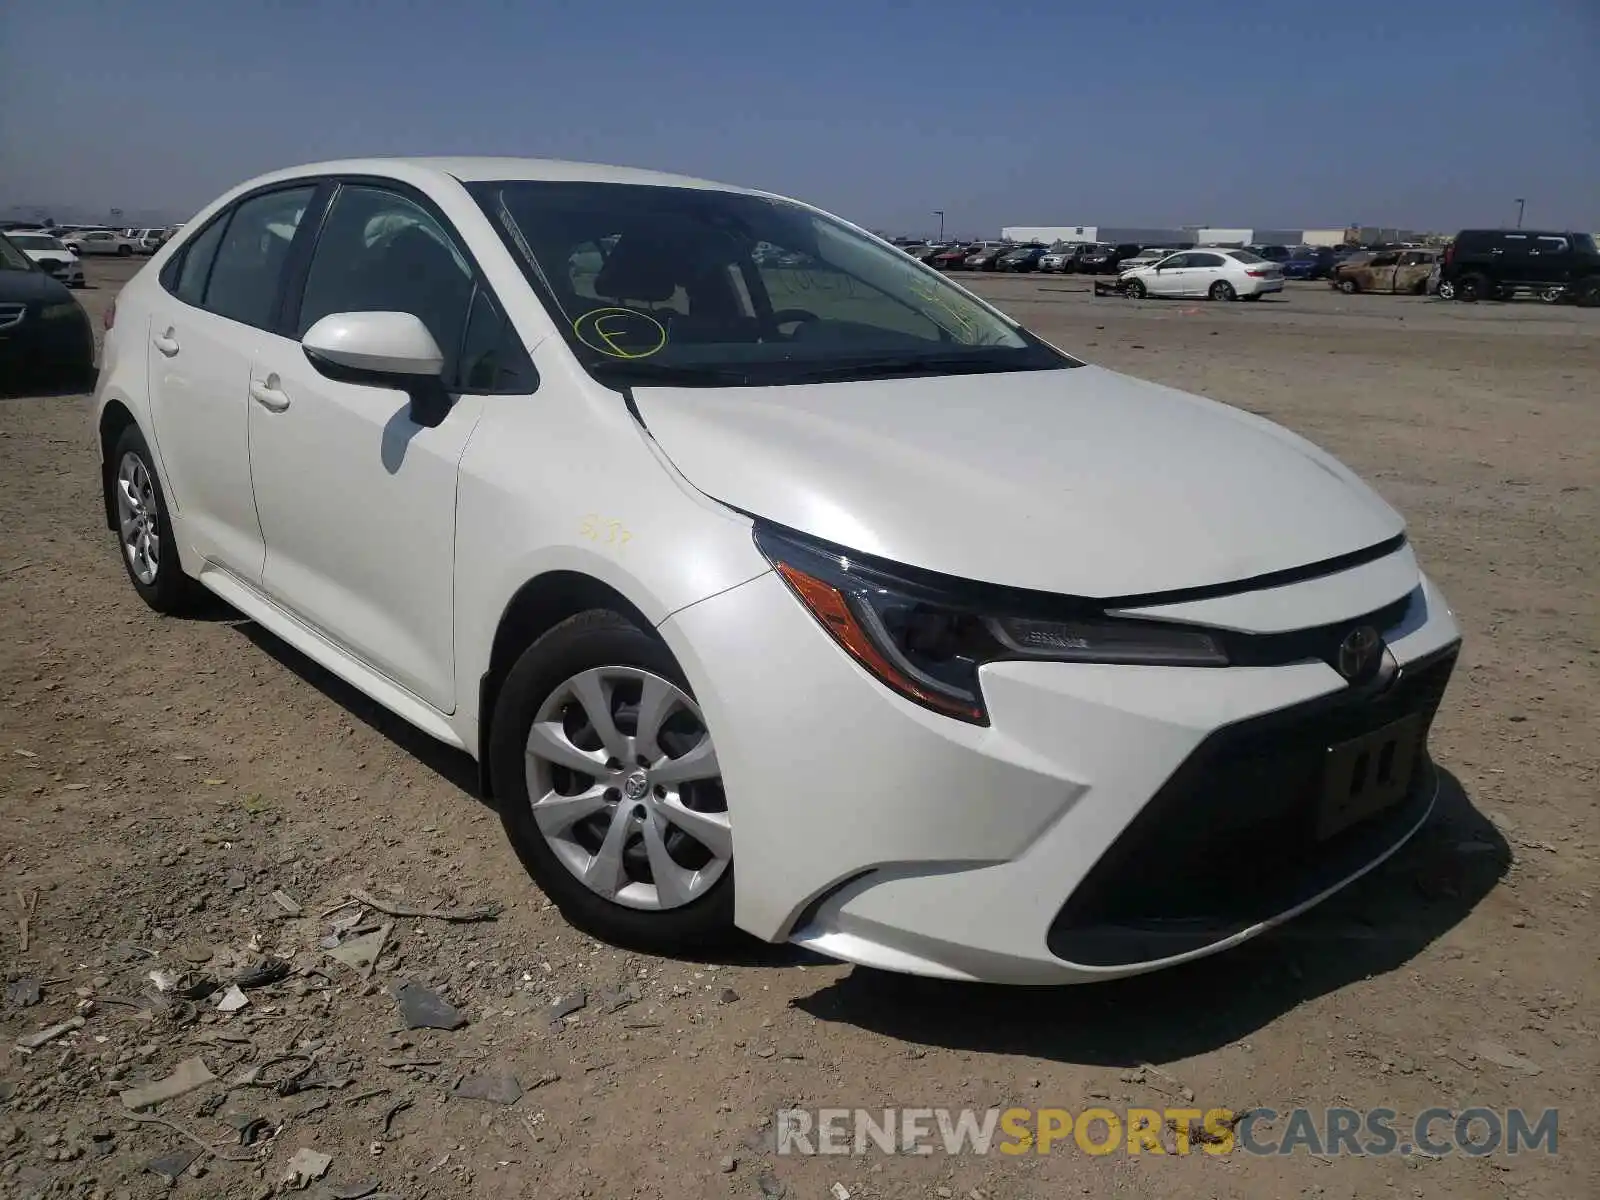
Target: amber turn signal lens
<point>829,606</point>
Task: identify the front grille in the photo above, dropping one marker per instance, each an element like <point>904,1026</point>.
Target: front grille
<point>12,314</point>
<point>1230,839</point>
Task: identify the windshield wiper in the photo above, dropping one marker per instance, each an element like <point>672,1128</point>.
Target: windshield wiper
<point>947,364</point>
<point>634,370</point>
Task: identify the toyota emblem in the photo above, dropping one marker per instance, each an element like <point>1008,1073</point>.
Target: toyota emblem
<point>1360,653</point>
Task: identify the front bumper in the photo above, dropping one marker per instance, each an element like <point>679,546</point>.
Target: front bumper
<point>1078,836</point>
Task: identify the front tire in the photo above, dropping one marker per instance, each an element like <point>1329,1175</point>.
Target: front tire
<point>1348,286</point>
<point>144,528</point>
<point>1134,290</point>
<point>609,788</point>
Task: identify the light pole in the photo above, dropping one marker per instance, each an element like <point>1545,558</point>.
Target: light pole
<point>1520,203</point>
<point>939,212</point>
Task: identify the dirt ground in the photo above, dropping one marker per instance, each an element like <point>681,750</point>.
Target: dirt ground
<point>190,796</point>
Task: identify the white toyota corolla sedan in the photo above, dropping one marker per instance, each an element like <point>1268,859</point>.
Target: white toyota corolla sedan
<point>774,581</point>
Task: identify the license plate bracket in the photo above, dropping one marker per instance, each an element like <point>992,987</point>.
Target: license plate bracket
<point>1365,775</point>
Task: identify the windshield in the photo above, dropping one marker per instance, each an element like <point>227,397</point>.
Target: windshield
<point>1245,256</point>
<point>705,288</point>
<point>12,259</point>
<point>35,241</point>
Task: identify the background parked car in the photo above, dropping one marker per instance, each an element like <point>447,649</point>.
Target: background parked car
<point>985,259</point>
<point>954,258</point>
<point>1271,253</point>
<point>1068,259</point>
<point>1144,258</point>
<point>49,254</point>
<point>1216,274</point>
<point>46,341</point>
<point>1309,262</point>
<point>1021,259</point>
<point>1386,271</point>
<point>100,241</point>
<point>1107,260</point>
<point>147,241</point>
<point>1486,264</point>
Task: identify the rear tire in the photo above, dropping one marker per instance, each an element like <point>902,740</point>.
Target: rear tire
<point>124,251</point>
<point>603,641</point>
<point>1473,288</point>
<point>1589,296</point>
<point>1222,290</point>
<point>145,540</point>
<point>1446,290</point>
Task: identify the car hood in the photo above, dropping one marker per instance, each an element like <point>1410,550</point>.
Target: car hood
<point>26,286</point>
<point>1078,481</point>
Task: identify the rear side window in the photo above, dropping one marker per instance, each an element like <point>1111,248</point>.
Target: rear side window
<point>248,269</point>
<point>1205,260</point>
<point>195,267</point>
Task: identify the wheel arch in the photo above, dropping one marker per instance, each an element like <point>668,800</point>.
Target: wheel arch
<point>115,417</point>
<point>537,607</point>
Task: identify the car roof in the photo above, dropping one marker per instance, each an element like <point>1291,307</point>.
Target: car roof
<point>475,170</point>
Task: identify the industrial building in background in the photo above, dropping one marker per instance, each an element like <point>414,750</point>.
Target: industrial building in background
<point>1205,235</point>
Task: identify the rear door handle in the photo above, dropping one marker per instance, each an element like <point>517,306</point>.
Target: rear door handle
<point>268,394</point>
<point>166,343</point>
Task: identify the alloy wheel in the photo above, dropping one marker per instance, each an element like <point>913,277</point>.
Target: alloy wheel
<point>624,785</point>
<point>139,518</point>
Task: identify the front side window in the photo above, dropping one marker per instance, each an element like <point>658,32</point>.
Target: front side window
<point>381,252</point>
<point>706,287</point>
<point>248,269</point>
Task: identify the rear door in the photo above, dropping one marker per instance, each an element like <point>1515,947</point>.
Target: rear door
<point>1550,260</point>
<point>206,319</point>
<point>1411,272</point>
<point>1204,270</point>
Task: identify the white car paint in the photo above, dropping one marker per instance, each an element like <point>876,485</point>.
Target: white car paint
<point>44,248</point>
<point>1203,272</point>
<point>101,241</point>
<point>1109,462</point>
<point>865,824</point>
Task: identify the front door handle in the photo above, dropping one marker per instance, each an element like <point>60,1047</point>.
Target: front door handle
<point>268,394</point>
<point>166,343</point>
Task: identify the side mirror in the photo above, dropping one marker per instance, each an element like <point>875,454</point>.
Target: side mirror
<point>382,349</point>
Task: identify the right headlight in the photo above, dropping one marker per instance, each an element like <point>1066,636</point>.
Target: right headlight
<point>927,640</point>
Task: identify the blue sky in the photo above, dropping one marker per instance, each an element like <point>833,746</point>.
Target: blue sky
<point>1419,113</point>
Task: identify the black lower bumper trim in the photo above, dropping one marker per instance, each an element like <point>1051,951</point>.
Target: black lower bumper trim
<point>1231,839</point>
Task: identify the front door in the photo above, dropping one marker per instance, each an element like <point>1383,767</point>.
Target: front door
<point>204,331</point>
<point>1170,277</point>
<point>357,501</point>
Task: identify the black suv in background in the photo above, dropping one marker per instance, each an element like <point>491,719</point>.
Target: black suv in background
<point>1491,264</point>
<point>1103,260</point>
